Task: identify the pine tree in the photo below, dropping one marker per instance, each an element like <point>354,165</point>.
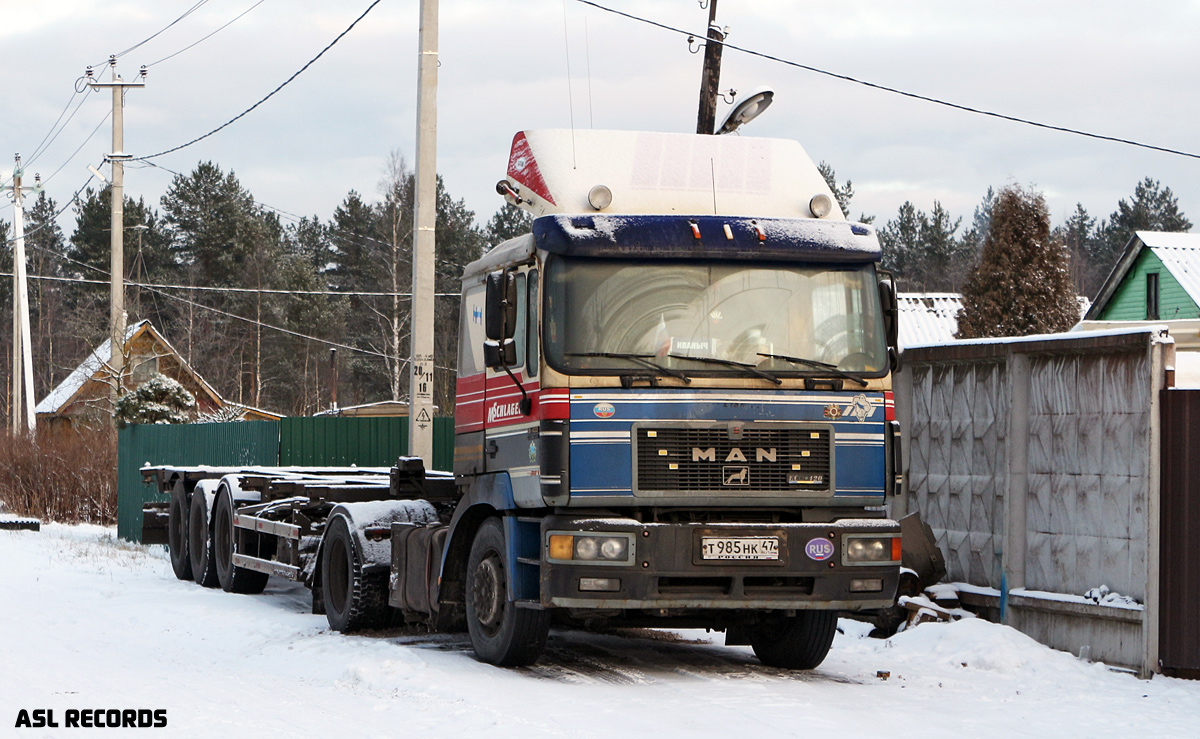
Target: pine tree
<point>1153,208</point>
<point>507,223</point>
<point>1080,238</point>
<point>1021,285</point>
<point>159,400</point>
<point>921,249</point>
<point>842,193</point>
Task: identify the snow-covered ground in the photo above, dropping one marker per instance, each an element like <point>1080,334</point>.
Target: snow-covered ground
<point>87,622</point>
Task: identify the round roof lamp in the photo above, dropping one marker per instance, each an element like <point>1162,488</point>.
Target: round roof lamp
<point>600,197</point>
<point>820,205</point>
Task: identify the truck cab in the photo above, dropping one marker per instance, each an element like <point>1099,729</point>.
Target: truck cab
<point>674,400</point>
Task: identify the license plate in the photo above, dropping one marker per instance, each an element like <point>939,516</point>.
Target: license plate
<point>739,547</point>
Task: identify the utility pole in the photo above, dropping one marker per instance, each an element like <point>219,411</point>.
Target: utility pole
<point>24,417</point>
<point>117,158</point>
<point>710,79</point>
<point>420,378</point>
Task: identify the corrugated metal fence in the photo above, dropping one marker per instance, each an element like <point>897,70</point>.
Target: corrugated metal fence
<point>366,442</point>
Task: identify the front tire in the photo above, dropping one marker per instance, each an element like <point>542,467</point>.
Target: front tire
<point>354,599</point>
<point>232,579</point>
<point>501,633</point>
<point>798,642</point>
<point>177,533</point>
<point>200,544</point>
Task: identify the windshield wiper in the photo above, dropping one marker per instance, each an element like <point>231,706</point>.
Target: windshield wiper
<point>642,359</point>
<point>730,363</point>
<point>830,368</point>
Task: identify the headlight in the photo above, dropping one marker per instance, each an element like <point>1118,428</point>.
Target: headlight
<point>597,548</point>
<point>871,549</point>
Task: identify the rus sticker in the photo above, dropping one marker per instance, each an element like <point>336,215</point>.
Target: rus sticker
<point>819,549</point>
<point>603,410</point>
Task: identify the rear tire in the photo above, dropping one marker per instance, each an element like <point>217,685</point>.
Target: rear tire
<point>200,544</point>
<point>354,599</point>
<point>798,642</point>
<point>501,633</point>
<point>177,533</point>
<point>231,578</point>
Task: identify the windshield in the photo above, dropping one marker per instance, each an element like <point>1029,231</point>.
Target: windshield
<point>668,311</point>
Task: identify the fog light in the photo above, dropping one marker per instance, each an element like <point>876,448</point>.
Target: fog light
<point>866,585</point>
<point>600,584</point>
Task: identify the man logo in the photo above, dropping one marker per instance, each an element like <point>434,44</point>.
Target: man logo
<point>736,476</point>
<point>735,455</point>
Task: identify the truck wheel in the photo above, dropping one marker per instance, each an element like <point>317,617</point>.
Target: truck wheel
<point>200,545</point>
<point>798,642</point>
<point>177,533</point>
<point>354,599</point>
<point>501,633</point>
<point>232,579</point>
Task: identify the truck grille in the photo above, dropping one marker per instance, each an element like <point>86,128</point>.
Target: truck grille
<point>794,459</point>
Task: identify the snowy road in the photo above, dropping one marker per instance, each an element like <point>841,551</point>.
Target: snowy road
<point>90,623</point>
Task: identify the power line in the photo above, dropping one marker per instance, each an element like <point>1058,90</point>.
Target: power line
<point>270,94</point>
<point>146,40</point>
<point>74,154</point>
<point>214,33</point>
<point>896,91</point>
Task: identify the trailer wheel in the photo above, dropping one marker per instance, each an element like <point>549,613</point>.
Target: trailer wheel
<point>501,633</point>
<point>177,533</point>
<point>200,544</point>
<point>798,642</point>
<point>354,599</point>
<point>232,579</point>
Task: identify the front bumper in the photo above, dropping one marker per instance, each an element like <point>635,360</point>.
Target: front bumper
<point>667,571</point>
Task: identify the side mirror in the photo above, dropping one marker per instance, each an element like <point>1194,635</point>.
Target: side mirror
<point>497,354</point>
<point>891,314</point>
<point>500,307</point>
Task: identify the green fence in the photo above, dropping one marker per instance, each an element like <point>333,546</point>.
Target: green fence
<point>221,444</point>
<point>309,442</point>
<point>366,442</point>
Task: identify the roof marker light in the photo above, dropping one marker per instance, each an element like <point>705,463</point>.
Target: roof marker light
<point>728,232</point>
<point>695,228</point>
<point>820,205</point>
<point>762,235</point>
<point>600,197</point>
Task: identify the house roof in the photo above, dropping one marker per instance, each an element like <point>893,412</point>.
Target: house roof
<point>928,318</point>
<point>65,392</point>
<point>1179,253</point>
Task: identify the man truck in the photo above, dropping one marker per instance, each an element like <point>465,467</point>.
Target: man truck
<point>673,410</point>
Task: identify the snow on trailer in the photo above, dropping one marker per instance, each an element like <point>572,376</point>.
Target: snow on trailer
<point>236,526</point>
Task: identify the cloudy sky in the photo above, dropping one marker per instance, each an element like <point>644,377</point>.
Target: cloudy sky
<point>1119,69</point>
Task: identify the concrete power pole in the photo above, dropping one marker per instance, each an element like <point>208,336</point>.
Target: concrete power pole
<point>24,417</point>
<point>117,158</point>
<point>710,79</point>
<point>420,385</point>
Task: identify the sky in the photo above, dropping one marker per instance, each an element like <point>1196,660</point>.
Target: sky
<point>1117,69</point>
